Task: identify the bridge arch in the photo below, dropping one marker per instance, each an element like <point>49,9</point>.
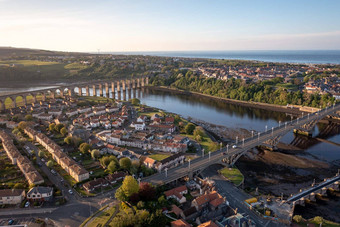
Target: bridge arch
<point>40,96</point>
<point>2,105</point>
<point>20,100</point>
<point>9,102</point>
<point>30,98</point>
<point>77,90</point>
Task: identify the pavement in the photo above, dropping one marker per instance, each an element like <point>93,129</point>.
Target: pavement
<point>236,197</point>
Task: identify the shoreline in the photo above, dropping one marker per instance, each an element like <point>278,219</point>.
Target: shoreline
<point>264,106</point>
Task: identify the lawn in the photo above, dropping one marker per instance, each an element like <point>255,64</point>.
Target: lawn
<point>159,157</point>
<point>102,218</point>
<point>206,142</point>
<point>29,62</point>
<point>149,114</point>
<point>288,86</point>
<point>310,222</point>
<point>232,174</point>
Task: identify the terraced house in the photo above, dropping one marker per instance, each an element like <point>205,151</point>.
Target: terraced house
<point>25,165</point>
<point>69,165</point>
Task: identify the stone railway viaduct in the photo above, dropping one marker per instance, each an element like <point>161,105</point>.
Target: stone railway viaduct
<point>104,86</point>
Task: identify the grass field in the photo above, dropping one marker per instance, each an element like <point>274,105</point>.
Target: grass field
<point>159,157</point>
<point>232,174</point>
<point>206,142</point>
<point>288,86</point>
<point>102,218</point>
<point>28,62</point>
<point>311,222</point>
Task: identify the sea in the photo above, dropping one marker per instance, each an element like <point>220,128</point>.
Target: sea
<point>282,56</point>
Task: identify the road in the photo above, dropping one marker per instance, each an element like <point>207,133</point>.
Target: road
<point>236,197</point>
<point>242,147</point>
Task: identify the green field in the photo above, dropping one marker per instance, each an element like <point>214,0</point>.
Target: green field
<point>232,174</point>
<point>159,157</point>
<point>288,86</point>
<point>102,218</point>
<point>206,142</point>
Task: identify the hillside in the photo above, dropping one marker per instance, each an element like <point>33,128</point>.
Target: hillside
<point>11,52</point>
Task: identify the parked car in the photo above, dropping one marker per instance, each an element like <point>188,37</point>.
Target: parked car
<point>234,146</point>
<point>70,191</point>
<point>10,222</point>
<point>53,172</point>
<point>27,204</point>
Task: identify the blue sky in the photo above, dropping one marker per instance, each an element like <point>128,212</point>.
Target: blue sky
<point>157,25</point>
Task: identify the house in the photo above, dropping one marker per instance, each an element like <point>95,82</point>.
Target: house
<point>208,224</point>
<point>46,117</point>
<point>11,196</point>
<point>190,213</point>
<point>115,177</point>
<point>141,119</point>
<point>177,194</point>
<point>180,223</point>
<point>170,161</point>
<point>139,126</point>
<point>71,113</point>
<point>149,162</point>
<point>40,193</point>
<point>169,120</point>
<point>112,109</point>
<point>176,210</point>
<point>94,184</point>
<point>212,199</point>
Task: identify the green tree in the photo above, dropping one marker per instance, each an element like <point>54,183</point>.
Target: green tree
<point>22,125</point>
<point>63,131</point>
<point>120,195</point>
<point>58,127</point>
<point>130,186</point>
<point>125,163</point>
<point>15,131</point>
<point>189,128</point>
<point>162,200</point>
<point>41,154</point>
<point>112,166</point>
<point>135,101</point>
<point>84,148</point>
<point>51,127</point>
<point>95,154</point>
<point>318,219</point>
<point>297,218</point>
<point>50,164</point>
<point>68,140</point>
<point>28,117</point>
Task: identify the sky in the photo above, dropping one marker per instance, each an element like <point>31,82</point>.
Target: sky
<point>170,25</point>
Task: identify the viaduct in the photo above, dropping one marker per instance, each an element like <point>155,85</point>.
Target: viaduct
<point>99,88</point>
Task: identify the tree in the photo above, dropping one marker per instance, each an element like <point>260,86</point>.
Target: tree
<point>162,200</point>
<point>15,131</point>
<point>129,186</point>
<point>84,147</point>
<point>58,127</point>
<point>146,191</point>
<point>120,195</point>
<point>189,129</point>
<point>41,154</point>
<point>95,154</point>
<point>28,117</point>
<point>50,164</point>
<point>105,161</point>
<point>297,218</point>
<point>22,125</point>
<point>112,167</point>
<point>18,186</point>
<point>63,131</point>
<point>125,163</point>
<point>76,141</point>
<point>51,127</point>
<point>68,140</point>
<point>318,219</point>
<point>135,101</point>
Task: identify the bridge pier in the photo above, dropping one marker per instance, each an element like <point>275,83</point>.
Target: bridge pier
<point>107,89</point>
<point>138,83</point>
<point>94,90</point>
<point>118,86</point>
<point>113,89</point>
<point>146,80</point>
<point>71,92</point>
<point>142,81</point>
<point>101,90</point>
<point>123,85</point>
<point>87,91</point>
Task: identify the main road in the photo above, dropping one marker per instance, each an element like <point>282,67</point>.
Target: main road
<point>236,150</point>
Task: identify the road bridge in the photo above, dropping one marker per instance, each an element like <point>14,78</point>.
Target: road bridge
<point>99,87</point>
<point>232,152</point>
<point>315,189</point>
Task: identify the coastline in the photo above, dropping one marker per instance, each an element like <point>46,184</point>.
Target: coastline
<point>296,111</point>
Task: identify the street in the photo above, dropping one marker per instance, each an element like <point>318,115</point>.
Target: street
<point>236,197</point>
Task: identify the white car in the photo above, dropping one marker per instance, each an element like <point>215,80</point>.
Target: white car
<point>234,146</point>
<point>70,191</point>
<point>27,204</point>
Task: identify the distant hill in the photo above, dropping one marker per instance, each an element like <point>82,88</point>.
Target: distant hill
<point>8,52</point>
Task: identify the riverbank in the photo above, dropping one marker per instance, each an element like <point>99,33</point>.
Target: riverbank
<point>294,110</point>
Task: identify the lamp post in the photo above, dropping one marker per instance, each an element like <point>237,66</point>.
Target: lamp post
<point>189,163</point>
<point>252,133</point>
<point>272,130</point>
<point>236,139</point>
<point>258,138</point>
<point>209,155</point>
<point>286,124</point>
<point>166,172</point>
<point>203,152</point>
<point>279,124</point>
<point>227,148</point>
<point>308,115</point>
<point>243,142</point>
<point>266,129</point>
